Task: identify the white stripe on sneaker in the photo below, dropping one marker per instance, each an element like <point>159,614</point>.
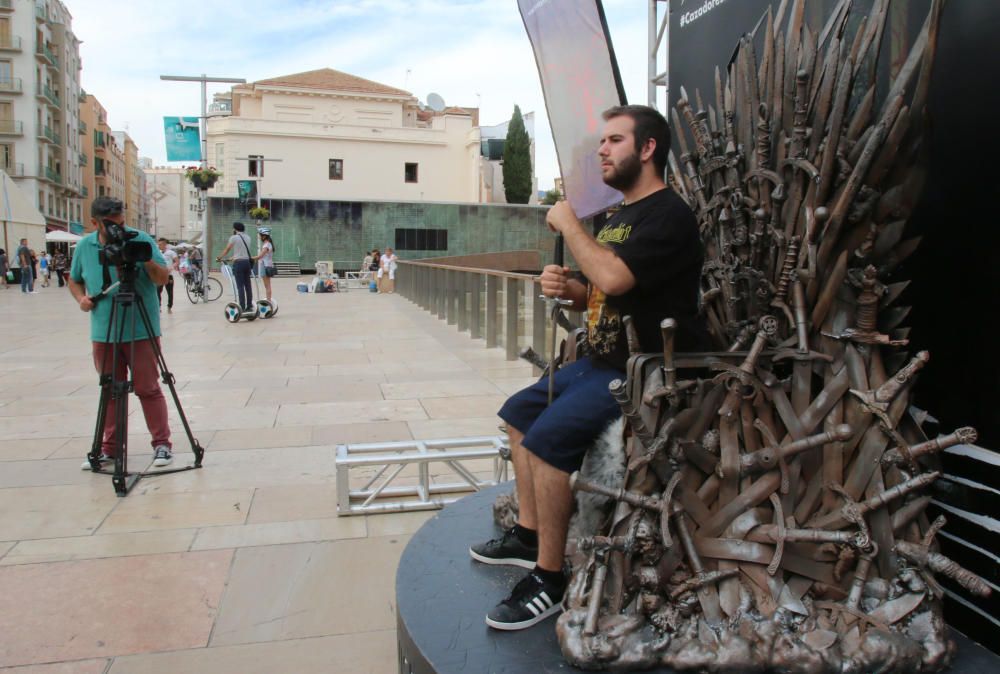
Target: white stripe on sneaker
<point>545,597</point>
<point>538,603</point>
<point>534,611</point>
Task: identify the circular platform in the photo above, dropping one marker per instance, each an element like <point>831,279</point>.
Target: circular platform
<point>442,598</point>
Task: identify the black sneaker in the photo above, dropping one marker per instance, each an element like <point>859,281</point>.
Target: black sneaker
<point>162,456</point>
<point>531,601</point>
<point>508,549</point>
<point>102,461</point>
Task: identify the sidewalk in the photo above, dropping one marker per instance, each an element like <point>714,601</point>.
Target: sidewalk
<point>242,566</point>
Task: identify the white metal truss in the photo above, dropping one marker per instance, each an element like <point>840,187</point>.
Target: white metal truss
<point>379,495</point>
<point>659,52</point>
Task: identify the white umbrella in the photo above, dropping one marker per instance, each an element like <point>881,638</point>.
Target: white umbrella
<point>59,236</point>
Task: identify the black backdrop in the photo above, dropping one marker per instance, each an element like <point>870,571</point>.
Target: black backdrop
<point>955,272</point>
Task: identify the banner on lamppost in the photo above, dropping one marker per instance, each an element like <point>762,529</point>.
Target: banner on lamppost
<point>183,136</point>
<point>580,80</point>
<point>247,191</point>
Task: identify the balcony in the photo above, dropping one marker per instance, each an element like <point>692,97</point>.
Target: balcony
<point>47,135</point>
<point>84,159</point>
<point>51,175</point>
<point>83,95</point>
<point>41,13</point>
<point>6,5</point>
<point>47,94</point>
<point>10,43</point>
<point>11,85</point>
<point>82,128</point>
<point>46,55</point>
<point>14,170</point>
<point>84,191</point>
<point>10,127</point>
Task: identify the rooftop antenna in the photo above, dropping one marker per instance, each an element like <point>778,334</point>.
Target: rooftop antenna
<point>435,102</point>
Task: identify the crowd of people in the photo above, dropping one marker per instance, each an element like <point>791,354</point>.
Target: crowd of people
<point>32,267</point>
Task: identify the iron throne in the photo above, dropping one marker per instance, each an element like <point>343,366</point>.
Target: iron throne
<point>772,511</point>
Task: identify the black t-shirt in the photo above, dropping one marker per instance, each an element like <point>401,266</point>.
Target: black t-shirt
<point>657,238</point>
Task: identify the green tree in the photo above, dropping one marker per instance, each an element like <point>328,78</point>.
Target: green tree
<point>517,161</point>
<point>551,197</point>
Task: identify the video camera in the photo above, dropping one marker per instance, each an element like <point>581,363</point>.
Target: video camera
<point>119,250</point>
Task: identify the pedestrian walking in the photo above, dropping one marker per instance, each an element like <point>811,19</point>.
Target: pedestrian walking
<point>3,269</point>
<point>170,256</point>
<point>45,269</point>
<point>60,263</point>
<point>374,268</point>
<point>23,257</point>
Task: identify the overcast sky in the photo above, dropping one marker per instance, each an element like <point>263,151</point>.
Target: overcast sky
<point>471,52</point>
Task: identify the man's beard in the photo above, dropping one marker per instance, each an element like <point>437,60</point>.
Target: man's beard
<point>625,175</point>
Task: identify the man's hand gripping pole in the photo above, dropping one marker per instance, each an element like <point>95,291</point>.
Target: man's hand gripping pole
<point>554,304</point>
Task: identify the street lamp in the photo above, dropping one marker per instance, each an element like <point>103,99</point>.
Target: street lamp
<point>204,79</point>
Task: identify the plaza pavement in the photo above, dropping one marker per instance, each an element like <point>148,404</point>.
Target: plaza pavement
<point>242,566</point>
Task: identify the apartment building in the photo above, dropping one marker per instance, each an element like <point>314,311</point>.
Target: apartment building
<point>131,179</point>
<point>105,174</point>
<point>39,97</point>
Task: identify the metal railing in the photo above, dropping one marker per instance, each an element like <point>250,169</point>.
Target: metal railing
<point>82,128</point>
<point>11,127</point>
<point>6,4</point>
<point>53,176</point>
<point>14,170</point>
<point>11,85</point>
<point>50,94</point>
<point>504,308</point>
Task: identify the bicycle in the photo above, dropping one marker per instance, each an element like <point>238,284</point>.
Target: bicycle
<point>198,286</point>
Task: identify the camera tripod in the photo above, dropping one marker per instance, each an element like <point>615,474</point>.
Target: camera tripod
<point>115,393</point>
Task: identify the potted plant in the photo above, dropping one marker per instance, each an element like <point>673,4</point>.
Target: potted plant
<point>260,213</point>
<point>203,178</point>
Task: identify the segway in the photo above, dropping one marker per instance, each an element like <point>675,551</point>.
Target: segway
<point>234,312</point>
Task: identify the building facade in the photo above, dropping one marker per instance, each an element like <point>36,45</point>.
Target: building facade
<point>39,97</point>
<point>131,179</point>
<point>172,204</point>
<point>324,134</point>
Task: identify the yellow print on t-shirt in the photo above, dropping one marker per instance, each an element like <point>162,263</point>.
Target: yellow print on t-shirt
<point>604,324</point>
<point>614,234</point>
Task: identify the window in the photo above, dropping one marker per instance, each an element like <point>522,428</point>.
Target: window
<point>410,173</point>
<point>255,166</point>
<point>336,169</point>
<point>421,239</point>
<point>7,156</point>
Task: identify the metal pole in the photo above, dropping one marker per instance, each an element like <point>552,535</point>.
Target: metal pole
<point>203,128</point>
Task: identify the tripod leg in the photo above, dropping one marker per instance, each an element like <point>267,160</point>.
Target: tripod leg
<point>168,378</point>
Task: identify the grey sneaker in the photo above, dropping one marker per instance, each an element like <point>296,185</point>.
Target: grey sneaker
<point>163,456</point>
<point>102,461</point>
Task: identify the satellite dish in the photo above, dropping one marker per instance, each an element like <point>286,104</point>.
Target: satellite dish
<point>435,102</point>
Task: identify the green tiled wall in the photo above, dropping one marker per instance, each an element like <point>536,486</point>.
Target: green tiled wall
<point>306,231</point>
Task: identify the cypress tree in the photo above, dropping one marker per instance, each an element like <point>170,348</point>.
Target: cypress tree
<point>517,161</point>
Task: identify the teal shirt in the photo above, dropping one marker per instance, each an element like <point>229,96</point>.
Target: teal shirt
<point>87,269</point>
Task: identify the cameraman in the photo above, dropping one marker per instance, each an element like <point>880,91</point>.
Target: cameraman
<point>88,277</point>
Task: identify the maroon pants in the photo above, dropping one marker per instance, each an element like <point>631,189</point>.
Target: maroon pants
<point>142,362</point>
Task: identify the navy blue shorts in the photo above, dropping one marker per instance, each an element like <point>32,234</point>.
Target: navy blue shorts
<point>581,409</point>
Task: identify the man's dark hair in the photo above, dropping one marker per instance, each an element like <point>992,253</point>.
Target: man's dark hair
<point>649,123</point>
<point>239,226</point>
<point>163,239</point>
<point>104,206</point>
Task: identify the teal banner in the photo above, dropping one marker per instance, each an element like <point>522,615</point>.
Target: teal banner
<point>183,138</point>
